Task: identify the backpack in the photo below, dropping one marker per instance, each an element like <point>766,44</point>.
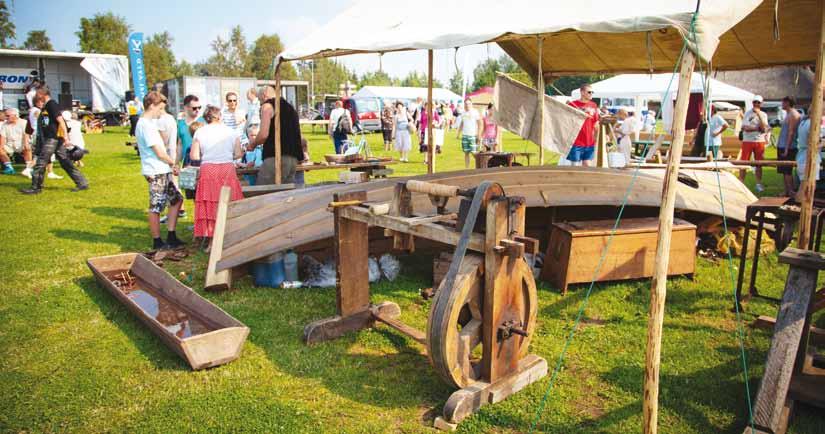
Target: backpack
<point>344,125</point>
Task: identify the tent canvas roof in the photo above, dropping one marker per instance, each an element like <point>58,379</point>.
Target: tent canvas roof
<point>654,86</point>
<point>739,32</point>
<point>405,93</point>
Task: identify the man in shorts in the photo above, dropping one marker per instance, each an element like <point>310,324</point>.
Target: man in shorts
<point>584,146</point>
<point>754,128</point>
<point>14,140</point>
<point>786,144</point>
<point>469,128</point>
<point>158,168</point>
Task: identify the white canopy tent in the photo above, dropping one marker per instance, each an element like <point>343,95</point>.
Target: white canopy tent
<point>644,87</point>
<point>405,93</point>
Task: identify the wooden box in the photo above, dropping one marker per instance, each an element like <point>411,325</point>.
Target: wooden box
<point>575,249</point>
<point>348,177</point>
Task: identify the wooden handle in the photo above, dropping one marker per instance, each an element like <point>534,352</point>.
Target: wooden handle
<point>432,189</point>
<point>344,203</point>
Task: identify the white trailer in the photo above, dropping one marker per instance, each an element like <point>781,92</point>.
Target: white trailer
<point>97,81</point>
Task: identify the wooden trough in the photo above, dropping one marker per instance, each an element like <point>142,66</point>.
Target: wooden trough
<point>200,332</point>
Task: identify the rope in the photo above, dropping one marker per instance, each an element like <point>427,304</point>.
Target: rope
<point>740,330</point>
<point>597,271</point>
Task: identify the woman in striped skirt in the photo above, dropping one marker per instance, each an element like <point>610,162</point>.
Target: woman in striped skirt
<point>216,146</point>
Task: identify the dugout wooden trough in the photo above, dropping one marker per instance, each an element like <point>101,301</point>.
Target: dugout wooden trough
<point>197,330</point>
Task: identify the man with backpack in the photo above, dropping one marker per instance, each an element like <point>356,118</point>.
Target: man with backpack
<point>340,125</point>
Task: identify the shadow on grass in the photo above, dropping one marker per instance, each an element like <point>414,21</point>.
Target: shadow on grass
<point>127,238</point>
<point>144,340</point>
<point>121,213</point>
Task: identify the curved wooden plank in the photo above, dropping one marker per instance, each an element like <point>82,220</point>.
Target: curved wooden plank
<point>266,224</point>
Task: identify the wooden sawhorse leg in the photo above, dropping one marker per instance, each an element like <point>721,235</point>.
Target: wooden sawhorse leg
<point>352,292</point>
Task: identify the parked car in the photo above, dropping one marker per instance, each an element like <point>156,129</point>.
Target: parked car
<point>369,113</point>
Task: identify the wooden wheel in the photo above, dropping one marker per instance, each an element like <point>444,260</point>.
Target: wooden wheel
<point>454,335</point>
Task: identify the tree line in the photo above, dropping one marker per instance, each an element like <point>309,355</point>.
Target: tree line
<point>233,56</point>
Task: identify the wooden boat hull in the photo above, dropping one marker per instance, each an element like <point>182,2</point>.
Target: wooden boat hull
<point>214,337</point>
<point>257,227</point>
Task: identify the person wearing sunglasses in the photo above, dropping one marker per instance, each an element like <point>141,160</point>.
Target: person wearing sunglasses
<point>754,128</point>
<point>234,118</point>
<point>584,146</point>
<point>191,113</point>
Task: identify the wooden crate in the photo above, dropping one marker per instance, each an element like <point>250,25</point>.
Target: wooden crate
<point>575,248</point>
<point>348,177</point>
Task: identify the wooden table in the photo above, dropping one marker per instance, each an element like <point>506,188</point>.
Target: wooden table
<point>374,169</point>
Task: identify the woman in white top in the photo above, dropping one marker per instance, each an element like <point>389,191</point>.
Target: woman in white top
<point>215,147</point>
<point>400,130</point>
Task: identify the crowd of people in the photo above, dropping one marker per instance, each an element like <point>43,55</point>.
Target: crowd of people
<point>401,123</point>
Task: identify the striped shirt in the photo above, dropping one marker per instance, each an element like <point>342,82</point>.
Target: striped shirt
<point>230,119</point>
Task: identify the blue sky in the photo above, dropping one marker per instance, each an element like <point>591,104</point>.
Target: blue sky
<point>193,24</point>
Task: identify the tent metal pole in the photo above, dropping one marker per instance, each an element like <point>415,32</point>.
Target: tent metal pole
<point>659,282</point>
<point>277,120</point>
<point>540,92</point>
<point>430,142</point>
<point>809,185</point>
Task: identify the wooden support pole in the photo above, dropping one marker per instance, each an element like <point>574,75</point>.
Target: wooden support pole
<point>540,91</point>
<point>809,185</point>
<point>277,121</point>
<point>430,141</point>
<point>659,282</point>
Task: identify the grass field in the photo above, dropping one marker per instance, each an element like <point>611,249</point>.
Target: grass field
<point>74,360</point>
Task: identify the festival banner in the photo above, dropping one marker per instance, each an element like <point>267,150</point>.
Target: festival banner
<point>136,63</point>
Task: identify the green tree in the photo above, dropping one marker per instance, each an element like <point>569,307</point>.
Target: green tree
<point>485,73</point>
<point>38,40</point>
<point>184,68</point>
<point>262,55</point>
<point>414,79</point>
<point>158,58</point>
<point>569,83</point>
<point>457,82</point>
<point>328,75</point>
<point>7,28</point>
<point>104,33</point>
<point>230,55</point>
<point>376,78</point>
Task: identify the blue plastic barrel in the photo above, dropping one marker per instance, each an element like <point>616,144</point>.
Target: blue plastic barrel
<point>269,271</point>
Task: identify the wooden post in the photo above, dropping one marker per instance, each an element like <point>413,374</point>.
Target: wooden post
<point>659,282</point>
<point>277,121</point>
<point>430,141</point>
<point>808,187</point>
<point>219,280</point>
<point>540,91</point>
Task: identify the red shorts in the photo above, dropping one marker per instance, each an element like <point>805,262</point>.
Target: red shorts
<point>757,148</point>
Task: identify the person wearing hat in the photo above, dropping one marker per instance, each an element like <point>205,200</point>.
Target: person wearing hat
<point>754,128</point>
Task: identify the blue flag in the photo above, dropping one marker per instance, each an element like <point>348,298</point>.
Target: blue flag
<point>136,62</point>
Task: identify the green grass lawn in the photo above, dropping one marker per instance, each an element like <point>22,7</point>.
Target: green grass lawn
<point>74,360</point>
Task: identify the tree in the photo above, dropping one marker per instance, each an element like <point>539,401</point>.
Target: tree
<point>38,40</point>
<point>184,68</point>
<point>328,75</point>
<point>230,55</point>
<point>158,58</point>
<point>569,83</point>
<point>377,78</point>
<point>260,60</point>
<point>485,73</point>
<point>414,79</point>
<point>457,82</point>
<point>7,28</point>
<point>104,33</point>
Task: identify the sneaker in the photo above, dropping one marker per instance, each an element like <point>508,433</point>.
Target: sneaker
<point>80,188</point>
<point>30,191</point>
<point>53,175</point>
<point>182,214</point>
<point>27,172</point>
<point>759,188</point>
<point>163,218</point>
<point>8,170</point>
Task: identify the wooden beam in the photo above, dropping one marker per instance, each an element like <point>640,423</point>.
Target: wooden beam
<point>219,280</point>
<point>415,334</point>
<point>277,130</point>
<point>807,188</point>
<point>430,141</point>
<point>540,91</point>
<point>659,282</point>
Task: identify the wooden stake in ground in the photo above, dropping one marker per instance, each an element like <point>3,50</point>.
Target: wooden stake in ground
<point>807,188</point>
<point>430,141</point>
<point>540,91</point>
<point>277,121</point>
<point>659,283</point>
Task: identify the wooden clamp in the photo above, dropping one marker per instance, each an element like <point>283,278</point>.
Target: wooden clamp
<point>513,249</point>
